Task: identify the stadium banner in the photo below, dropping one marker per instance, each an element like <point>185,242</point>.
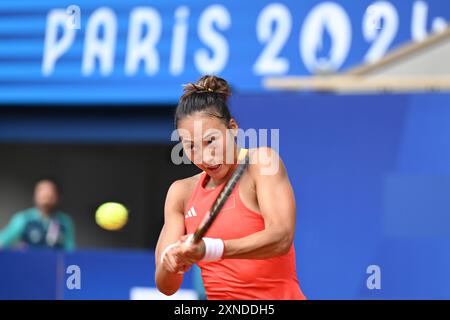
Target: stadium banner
<point>141,52</point>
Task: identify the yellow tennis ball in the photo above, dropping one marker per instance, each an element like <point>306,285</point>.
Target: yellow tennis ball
<point>111,216</point>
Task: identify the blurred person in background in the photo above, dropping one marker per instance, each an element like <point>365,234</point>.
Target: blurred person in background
<point>42,226</point>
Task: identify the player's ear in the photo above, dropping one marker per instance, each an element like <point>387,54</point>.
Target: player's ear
<point>233,126</point>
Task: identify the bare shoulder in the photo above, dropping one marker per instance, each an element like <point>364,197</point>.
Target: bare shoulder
<point>180,190</point>
<point>265,161</point>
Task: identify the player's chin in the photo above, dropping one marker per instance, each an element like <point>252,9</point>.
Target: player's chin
<point>217,171</point>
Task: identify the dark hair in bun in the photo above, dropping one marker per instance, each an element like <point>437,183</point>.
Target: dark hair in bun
<point>209,94</point>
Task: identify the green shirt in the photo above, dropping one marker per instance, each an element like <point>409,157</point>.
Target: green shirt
<point>36,230</point>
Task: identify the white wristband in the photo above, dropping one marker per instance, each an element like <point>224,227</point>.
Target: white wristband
<point>213,249</point>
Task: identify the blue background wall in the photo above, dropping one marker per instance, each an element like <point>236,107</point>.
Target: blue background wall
<point>104,274</point>
<point>372,182</point>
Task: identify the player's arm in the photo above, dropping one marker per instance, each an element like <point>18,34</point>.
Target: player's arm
<point>13,231</point>
<point>167,278</point>
<point>277,205</point>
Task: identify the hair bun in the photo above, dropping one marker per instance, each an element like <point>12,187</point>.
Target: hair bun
<point>209,84</point>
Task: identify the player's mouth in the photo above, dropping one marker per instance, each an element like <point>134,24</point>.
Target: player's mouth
<point>214,169</point>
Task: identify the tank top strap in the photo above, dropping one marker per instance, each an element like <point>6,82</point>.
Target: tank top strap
<point>198,186</point>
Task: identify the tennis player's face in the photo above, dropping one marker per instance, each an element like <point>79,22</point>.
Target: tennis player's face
<point>46,196</point>
<point>209,143</point>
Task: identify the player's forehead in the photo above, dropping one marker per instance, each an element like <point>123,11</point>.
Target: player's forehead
<point>200,127</point>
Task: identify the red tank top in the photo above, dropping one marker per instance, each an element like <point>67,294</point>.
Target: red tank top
<point>240,279</point>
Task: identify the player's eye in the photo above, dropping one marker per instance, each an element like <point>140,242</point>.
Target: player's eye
<point>211,140</point>
<point>188,145</point>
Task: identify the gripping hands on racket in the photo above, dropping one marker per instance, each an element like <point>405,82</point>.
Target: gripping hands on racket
<point>181,255</point>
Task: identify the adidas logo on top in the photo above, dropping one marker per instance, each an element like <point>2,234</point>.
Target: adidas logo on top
<point>191,213</point>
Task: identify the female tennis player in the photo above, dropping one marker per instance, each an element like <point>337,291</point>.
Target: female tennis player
<point>248,252</point>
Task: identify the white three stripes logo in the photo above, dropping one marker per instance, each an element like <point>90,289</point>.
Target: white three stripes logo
<point>191,213</point>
